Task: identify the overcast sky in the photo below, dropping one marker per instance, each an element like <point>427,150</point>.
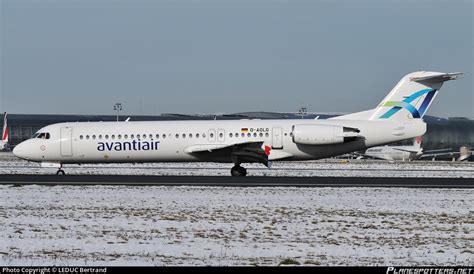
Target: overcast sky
<point>80,57</point>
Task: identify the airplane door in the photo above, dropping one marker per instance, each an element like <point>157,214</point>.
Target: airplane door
<point>66,141</point>
<point>221,135</point>
<point>277,138</point>
<point>212,135</point>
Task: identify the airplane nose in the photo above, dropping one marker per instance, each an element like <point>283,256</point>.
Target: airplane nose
<point>19,151</point>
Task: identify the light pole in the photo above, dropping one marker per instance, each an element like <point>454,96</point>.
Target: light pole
<point>302,111</point>
<point>118,108</point>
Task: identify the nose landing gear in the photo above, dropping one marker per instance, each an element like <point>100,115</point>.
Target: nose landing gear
<point>238,171</point>
<point>60,170</point>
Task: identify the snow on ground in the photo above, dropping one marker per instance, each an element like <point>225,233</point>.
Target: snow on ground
<point>9,164</point>
<point>157,225</point>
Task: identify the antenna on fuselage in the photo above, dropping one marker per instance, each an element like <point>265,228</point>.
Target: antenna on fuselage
<point>128,119</point>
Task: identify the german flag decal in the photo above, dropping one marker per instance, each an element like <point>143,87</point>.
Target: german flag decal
<point>244,129</point>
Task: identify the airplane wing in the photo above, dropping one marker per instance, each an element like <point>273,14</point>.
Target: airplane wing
<point>435,154</point>
<point>436,150</point>
<point>366,156</point>
<point>244,152</point>
<point>203,148</point>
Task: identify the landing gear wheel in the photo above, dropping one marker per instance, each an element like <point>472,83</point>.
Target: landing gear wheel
<point>60,172</point>
<point>238,171</point>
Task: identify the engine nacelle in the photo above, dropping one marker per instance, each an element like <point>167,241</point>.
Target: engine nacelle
<point>323,134</point>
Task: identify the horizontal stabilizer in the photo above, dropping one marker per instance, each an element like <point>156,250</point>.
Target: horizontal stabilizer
<point>437,78</point>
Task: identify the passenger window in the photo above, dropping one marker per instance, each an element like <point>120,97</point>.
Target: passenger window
<point>261,134</point>
<point>254,134</point>
<point>243,134</point>
<point>81,137</point>
<point>197,135</point>
<point>211,135</point>
<point>236,135</point>
<point>164,136</point>
<point>248,134</point>
<point>204,135</point>
<point>119,136</point>
<point>157,136</point>
<point>190,135</point>
<point>151,136</point>
<point>125,136</point>
<point>230,134</point>
<point>93,137</point>
<point>106,137</point>
<point>100,137</point>
<point>113,136</point>
<point>144,136</point>
<point>177,136</point>
<point>131,136</point>
<point>266,134</point>
<point>221,135</point>
<point>87,137</point>
<point>184,135</point>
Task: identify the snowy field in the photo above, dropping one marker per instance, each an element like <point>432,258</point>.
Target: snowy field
<point>153,225</point>
<point>9,164</point>
<point>156,225</point>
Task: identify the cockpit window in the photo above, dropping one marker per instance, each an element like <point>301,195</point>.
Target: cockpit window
<point>42,135</point>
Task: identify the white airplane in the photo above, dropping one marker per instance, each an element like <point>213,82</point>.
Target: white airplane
<point>4,141</point>
<point>397,117</point>
<point>405,153</point>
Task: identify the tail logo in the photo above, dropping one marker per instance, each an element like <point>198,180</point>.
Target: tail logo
<point>398,105</point>
<point>267,150</point>
<point>5,128</point>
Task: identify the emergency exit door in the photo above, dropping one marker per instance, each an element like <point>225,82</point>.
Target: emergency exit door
<point>66,141</point>
<point>277,138</point>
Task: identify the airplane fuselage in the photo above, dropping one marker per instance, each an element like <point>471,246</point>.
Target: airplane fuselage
<point>175,141</point>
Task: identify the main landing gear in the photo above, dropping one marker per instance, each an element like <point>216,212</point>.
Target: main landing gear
<point>238,171</point>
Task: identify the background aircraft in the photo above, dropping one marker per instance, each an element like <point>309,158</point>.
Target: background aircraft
<point>4,140</point>
<point>413,152</point>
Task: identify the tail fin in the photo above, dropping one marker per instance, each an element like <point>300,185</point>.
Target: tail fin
<point>409,99</point>
<point>5,129</point>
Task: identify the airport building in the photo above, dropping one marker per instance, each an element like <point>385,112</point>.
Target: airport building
<point>442,133</point>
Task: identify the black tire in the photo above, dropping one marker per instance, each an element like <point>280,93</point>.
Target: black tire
<point>238,171</point>
<point>60,172</point>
